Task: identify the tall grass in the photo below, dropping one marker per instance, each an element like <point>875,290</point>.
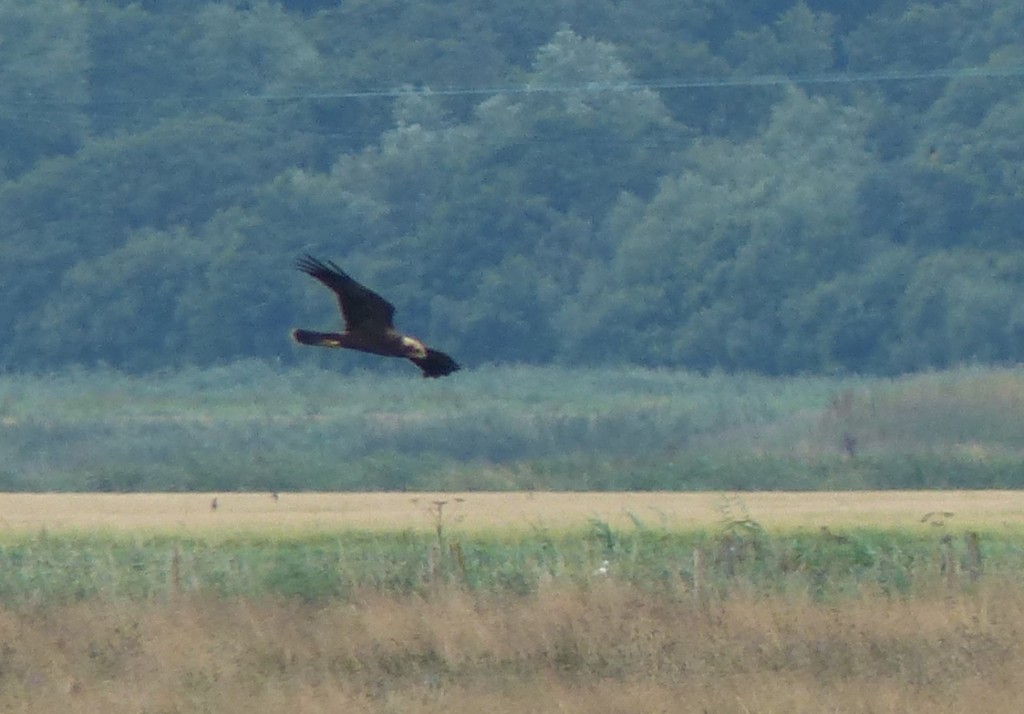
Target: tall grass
<point>606,647</point>
<point>251,426</point>
<point>606,619</point>
<point>738,557</point>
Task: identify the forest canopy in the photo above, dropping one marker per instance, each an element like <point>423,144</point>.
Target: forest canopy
<point>775,187</point>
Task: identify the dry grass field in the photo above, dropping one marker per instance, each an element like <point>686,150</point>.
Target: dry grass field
<point>304,513</point>
<point>604,648</point>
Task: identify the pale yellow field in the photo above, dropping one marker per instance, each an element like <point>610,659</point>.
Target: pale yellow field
<point>303,513</point>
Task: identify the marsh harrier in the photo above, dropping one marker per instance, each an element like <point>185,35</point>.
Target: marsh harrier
<point>368,323</point>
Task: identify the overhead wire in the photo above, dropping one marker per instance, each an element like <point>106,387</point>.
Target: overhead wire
<point>974,72</point>
<point>697,83</point>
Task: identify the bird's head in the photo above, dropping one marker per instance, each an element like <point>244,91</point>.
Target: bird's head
<point>414,348</point>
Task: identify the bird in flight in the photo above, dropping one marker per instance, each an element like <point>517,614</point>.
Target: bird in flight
<point>368,323</point>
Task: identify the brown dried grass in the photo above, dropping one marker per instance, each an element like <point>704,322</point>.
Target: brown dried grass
<point>603,648</point>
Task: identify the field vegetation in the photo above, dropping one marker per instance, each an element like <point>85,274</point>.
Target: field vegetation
<point>239,569</point>
<point>580,649</point>
<point>256,427</point>
<point>729,617</point>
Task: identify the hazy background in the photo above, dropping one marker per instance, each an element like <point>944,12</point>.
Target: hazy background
<point>773,187</point>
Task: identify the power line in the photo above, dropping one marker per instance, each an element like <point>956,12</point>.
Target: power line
<point>765,80</point>
<point>699,83</point>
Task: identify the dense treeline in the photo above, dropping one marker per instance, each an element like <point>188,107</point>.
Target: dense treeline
<point>576,182</point>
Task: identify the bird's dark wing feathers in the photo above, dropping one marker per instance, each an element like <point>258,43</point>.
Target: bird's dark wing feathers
<point>362,308</point>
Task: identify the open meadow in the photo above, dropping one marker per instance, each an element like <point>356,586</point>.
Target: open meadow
<point>516,602</point>
<point>253,539</point>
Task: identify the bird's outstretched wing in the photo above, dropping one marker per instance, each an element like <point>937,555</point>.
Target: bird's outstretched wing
<point>435,364</point>
<point>363,309</point>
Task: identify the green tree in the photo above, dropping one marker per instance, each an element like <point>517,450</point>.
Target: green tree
<point>495,215</point>
<point>961,306</point>
<point>799,42</point>
<point>43,89</point>
<point>556,194</point>
<point>70,211</point>
<point>120,308</point>
<point>704,274</point>
<point>850,322</point>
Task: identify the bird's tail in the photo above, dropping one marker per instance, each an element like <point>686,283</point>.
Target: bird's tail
<point>317,339</point>
<point>436,364</point>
